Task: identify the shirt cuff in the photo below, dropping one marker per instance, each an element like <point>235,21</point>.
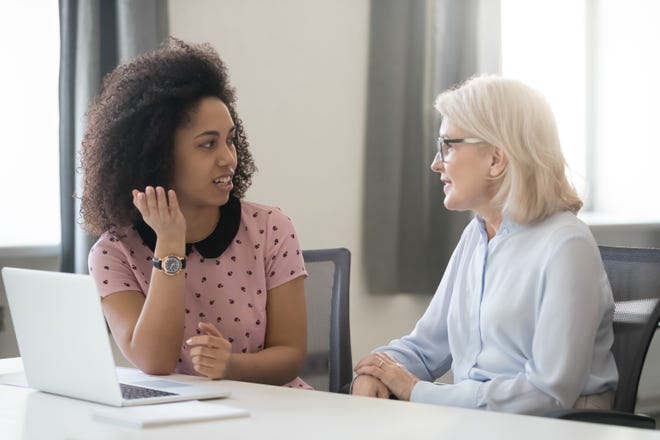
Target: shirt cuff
<point>463,394</point>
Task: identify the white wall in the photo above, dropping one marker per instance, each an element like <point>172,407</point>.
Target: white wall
<point>300,69</point>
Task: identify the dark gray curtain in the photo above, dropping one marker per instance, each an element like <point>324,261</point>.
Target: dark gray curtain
<point>418,48</point>
<point>95,36</point>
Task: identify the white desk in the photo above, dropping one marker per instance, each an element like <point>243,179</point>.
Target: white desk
<point>284,413</point>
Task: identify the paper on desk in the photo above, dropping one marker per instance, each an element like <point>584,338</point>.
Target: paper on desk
<point>167,413</point>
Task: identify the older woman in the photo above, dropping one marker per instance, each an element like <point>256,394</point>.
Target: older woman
<point>523,314</point>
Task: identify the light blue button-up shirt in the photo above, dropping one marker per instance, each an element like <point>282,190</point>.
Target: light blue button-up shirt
<point>523,320</point>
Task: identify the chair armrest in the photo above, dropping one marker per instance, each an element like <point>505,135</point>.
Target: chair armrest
<point>609,417</point>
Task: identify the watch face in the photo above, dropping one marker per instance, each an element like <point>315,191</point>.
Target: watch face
<point>172,265</point>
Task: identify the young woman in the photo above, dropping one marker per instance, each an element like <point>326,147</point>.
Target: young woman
<point>193,278</point>
<point>523,314</point>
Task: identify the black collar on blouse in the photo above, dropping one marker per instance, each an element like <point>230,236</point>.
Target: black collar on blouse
<point>213,245</point>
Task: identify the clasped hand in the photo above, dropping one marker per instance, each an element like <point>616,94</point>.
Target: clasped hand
<point>379,374</point>
<point>210,353</point>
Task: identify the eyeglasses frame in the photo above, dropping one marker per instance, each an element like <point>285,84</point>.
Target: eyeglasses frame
<point>448,141</point>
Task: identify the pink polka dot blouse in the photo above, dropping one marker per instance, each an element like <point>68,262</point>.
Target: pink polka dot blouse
<point>228,275</point>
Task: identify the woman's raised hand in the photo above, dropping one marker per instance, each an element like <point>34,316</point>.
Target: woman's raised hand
<point>161,212</point>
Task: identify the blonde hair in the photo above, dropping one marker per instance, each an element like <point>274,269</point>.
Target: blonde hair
<point>516,118</point>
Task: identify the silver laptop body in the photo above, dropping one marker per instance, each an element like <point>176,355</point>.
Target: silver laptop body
<point>65,346</point>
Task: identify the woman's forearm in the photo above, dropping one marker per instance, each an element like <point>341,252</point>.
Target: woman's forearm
<point>276,365</point>
<point>156,340</point>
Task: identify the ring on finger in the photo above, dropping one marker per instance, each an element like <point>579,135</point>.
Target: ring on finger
<point>380,364</point>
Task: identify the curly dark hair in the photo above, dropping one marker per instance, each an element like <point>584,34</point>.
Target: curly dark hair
<point>129,139</point>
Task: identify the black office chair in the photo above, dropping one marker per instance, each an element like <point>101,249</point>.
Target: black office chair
<point>328,365</point>
<point>634,275</point>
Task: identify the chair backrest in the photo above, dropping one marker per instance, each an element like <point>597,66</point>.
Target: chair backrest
<point>328,365</point>
<point>634,275</point>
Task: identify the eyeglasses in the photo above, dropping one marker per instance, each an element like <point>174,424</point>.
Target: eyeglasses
<point>444,145</point>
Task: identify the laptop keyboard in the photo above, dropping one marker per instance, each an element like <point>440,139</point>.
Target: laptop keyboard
<point>134,392</point>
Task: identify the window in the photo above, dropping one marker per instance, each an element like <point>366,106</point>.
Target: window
<point>595,62</point>
<point>29,169</point>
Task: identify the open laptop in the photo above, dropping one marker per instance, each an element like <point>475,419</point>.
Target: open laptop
<point>65,346</point>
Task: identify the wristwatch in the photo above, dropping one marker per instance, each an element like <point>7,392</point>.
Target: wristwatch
<point>170,264</point>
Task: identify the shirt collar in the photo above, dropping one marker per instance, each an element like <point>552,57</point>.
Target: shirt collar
<point>506,227</point>
<point>213,245</point>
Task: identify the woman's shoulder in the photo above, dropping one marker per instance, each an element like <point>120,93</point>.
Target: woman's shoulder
<point>269,226</point>
<point>565,221</point>
<point>256,211</point>
<point>117,238</point>
<point>563,227</point>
